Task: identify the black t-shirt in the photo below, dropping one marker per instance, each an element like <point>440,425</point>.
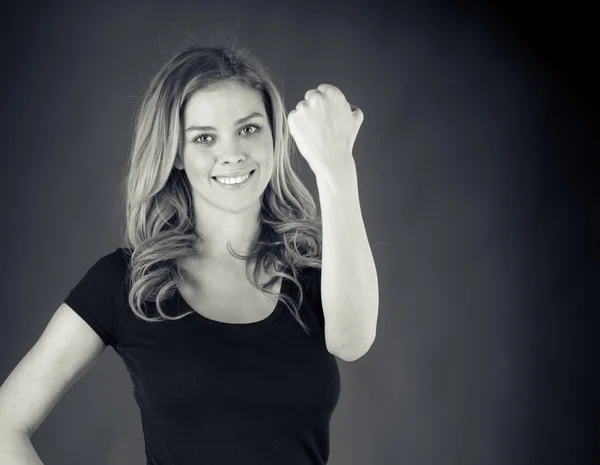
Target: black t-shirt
<point>219,393</point>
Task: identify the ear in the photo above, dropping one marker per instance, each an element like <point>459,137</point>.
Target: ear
<point>178,163</point>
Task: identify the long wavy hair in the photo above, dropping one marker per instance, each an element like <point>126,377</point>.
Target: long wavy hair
<point>159,214</point>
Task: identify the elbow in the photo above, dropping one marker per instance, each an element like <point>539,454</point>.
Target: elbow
<point>351,352</point>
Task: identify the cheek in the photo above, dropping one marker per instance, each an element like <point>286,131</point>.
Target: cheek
<point>198,165</point>
<point>265,150</point>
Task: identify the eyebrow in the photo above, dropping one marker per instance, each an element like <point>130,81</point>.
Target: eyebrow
<point>239,121</point>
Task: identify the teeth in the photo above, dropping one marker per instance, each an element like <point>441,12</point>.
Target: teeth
<point>237,180</point>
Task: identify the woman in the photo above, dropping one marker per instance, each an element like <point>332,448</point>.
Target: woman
<point>221,235</point>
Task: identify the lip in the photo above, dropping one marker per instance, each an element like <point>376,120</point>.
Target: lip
<point>233,174</point>
<point>237,186</point>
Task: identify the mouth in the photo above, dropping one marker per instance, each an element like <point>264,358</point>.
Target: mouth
<point>250,175</point>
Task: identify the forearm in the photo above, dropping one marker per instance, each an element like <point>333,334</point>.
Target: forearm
<point>349,287</point>
<point>16,449</point>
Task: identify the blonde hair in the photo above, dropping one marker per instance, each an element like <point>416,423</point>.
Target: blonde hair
<point>159,215</point>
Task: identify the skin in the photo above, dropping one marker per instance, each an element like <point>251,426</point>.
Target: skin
<point>224,215</point>
<point>324,127</point>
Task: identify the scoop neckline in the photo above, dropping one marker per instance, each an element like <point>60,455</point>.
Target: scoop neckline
<point>269,319</point>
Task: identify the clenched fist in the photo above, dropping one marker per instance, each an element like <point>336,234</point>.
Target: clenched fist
<point>324,127</point>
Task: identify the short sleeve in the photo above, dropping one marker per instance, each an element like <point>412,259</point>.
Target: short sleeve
<point>99,298</point>
<point>313,290</point>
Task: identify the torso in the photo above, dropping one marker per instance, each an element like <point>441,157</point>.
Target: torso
<point>224,293</point>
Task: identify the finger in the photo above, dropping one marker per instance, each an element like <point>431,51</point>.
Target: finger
<point>291,117</point>
<point>357,112</point>
<point>301,104</point>
<point>311,93</point>
<point>291,122</point>
<point>328,89</point>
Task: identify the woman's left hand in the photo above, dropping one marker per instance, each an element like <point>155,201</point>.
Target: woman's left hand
<point>324,126</point>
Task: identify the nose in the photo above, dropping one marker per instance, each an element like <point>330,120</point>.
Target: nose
<point>232,153</point>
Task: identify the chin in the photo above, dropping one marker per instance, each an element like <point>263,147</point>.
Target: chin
<point>242,208</point>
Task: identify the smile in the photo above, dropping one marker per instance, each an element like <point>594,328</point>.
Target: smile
<point>234,182</point>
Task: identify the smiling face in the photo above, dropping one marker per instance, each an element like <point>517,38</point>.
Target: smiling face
<point>226,133</point>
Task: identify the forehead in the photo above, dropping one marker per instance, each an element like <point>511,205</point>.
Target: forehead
<point>223,102</point>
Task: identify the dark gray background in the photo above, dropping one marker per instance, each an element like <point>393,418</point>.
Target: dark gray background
<point>476,185</point>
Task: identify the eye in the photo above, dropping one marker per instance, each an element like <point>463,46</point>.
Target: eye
<point>201,139</point>
<point>250,129</point>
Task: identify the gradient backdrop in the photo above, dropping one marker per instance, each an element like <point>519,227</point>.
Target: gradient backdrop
<point>477,189</point>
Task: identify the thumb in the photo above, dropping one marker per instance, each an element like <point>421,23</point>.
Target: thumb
<point>358,114</point>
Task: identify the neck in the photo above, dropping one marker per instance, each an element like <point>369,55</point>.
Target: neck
<point>217,228</point>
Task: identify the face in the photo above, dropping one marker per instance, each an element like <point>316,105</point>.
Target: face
<point>226,133</point>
